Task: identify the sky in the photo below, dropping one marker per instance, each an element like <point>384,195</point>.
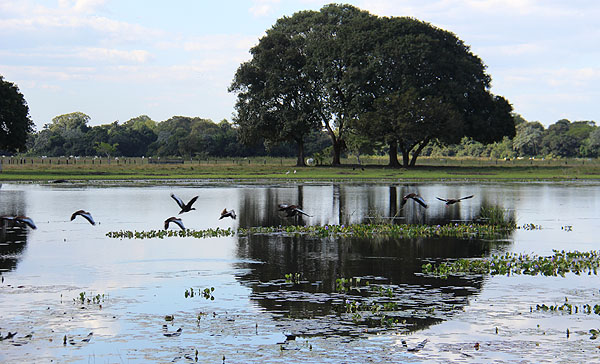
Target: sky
<point>118,59</point>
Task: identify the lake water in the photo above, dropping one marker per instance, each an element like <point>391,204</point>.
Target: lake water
<point>133,284</point>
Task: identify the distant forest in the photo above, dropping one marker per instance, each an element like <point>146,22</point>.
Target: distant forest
<point>194,137</point>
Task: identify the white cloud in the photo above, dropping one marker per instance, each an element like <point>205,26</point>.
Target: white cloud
<point>220,42</point>
<point>73,17</point>
<point>523,49</point>
<point>82,6</point>
<point>263,7</point>
<point>114,55</point>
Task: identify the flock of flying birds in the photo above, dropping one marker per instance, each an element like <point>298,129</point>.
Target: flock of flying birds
<point>289,210</point>
<point>418,199</point>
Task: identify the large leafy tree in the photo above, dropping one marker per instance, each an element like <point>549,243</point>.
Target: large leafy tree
<point>15,124</point>
<point>340,46</point>
<point>65,135</point>
<point>564,139</point>
<point>306,74</point>
<point>440,87</point>
<point>409,121</point>
<point>276,102</point>
<point>528,138</point>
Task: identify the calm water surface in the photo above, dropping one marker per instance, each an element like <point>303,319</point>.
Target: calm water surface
<point>139,282</point>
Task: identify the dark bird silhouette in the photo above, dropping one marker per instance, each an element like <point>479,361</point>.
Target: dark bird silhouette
<point>292,210</point>
<point>85,215</point>
<point>185,207</point>
<point>418,199</point>
<point>451,201</point>
<point>225,213</point>
<point>175,220</point>
<point>19,221</point>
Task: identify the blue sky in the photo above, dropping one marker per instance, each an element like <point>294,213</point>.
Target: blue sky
<point>115,60</point>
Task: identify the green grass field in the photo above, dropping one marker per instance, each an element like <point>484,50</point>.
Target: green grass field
<point>50,169</point>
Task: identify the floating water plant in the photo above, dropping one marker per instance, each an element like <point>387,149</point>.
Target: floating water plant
<point>530,226</point>
<point>293,278</point>
<point>512,263</point>
<point>206,293</point>
<point>569,308</point>
<point>161,234</point>
<point>371,230</point>
<point>91,299</point>
<point>473,230</point>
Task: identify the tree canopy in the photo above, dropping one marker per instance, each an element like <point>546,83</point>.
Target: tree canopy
<point>275,101</point>
<point>15,124</point>
<point>348,68</point>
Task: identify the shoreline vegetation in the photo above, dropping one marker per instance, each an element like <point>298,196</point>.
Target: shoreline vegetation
<point>65,169</point>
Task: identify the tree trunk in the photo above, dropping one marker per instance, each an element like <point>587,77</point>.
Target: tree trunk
<point>417,152</point>
<point>405,155</point>
<point>300,161</point>
<point>336,142</point>
<point>393,152</point>
<point>405,158</point>
<point>337,151</point>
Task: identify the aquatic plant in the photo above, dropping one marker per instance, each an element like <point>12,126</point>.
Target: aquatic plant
<point>161,234</point>
<point>83,298</point>
<point>293,278</point>
<point>512,263</point>
<point>355,230</point>
<point>206,293</point>
<point>371,230</point>
<point>569,308</point>
<point>496,216</point>
<point>530,226</point>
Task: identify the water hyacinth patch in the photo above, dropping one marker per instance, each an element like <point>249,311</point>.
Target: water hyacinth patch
<point>161,234</point>
<point>465,231</point>
<point>371,230</point>
<point>512,263</point>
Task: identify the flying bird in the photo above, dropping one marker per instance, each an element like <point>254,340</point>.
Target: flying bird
<point>292,210</point>
<point>84,214</point>
<point>24,220</point>
<point>225,213</point>
<point>175,220</point>
<point>451,201</point>
<point>185,207</point>
<point>20,220</point>
<point>418,199</point>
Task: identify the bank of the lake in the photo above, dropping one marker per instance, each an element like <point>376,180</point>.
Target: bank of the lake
<point>75,169</point>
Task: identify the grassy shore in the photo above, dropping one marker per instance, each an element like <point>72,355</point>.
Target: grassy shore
<point>71,169</point>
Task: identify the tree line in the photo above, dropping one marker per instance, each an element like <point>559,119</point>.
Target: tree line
<point>194,137</point>
<point>179,136</point>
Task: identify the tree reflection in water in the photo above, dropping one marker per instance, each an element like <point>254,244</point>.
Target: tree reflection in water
<point>314,305</point>
<point>13,239</point>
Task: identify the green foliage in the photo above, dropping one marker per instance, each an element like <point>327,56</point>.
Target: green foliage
<point>106,149</point>
<point>512,263</point>
<point>496,216</point>
<point>358,230</point>
<point>15,124</point>
<point>293,278</point>
<point>161,234</point>
<point>569,308</point>
<point>206,293</point>
<point>84,298</point>
<point>528,139</point>
<point>400,231</point>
